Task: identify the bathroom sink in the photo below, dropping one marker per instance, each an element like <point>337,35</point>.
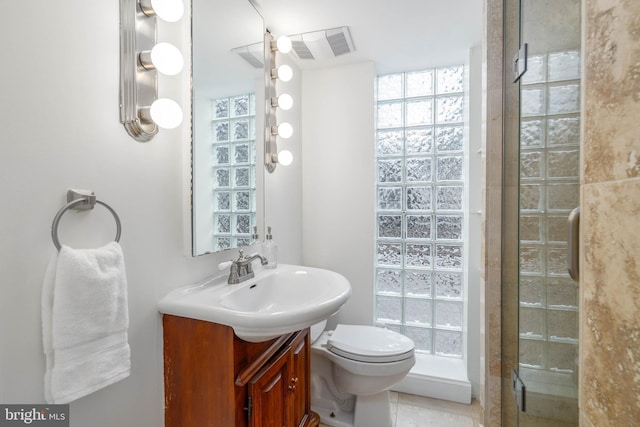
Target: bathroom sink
<point>275,302</point>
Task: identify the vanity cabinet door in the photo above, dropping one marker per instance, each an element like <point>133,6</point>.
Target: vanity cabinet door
<point>300,379</point>
<point>270,393</point>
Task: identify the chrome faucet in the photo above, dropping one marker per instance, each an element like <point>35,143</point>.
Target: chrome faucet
<point>241,269</point>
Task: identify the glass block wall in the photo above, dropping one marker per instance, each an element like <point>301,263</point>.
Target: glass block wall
<point>233,172</point>
<point>420,217</point>
<point>549,190</point>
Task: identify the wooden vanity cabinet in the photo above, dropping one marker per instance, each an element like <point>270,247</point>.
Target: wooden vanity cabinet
<point>214,379</point>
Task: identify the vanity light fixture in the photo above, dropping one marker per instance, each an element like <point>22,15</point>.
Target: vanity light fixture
<point>283,72</point>
<point>167,10</point>
<point>285,158</point>
<point>284,101</point>
<point>282,45</point>
<point>284,130</point>
<point>141,58</point>
<point>164,57</point>
<point>164,112</point>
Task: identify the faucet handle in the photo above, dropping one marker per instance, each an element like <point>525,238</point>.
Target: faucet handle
<point>233,273</point>
<point>241,254</point>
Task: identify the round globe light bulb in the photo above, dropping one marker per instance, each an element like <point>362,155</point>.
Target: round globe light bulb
<point>285,73</point>
<point>284,44</point>
<point>167,59</point>
<point>285,130</point>
<point>285,158</point>
<point>166,113</point>
<point>285,101</point>
<point>168,10</point>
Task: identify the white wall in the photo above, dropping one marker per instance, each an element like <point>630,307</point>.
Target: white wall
<point>283,187</point>
<point>338,179</point>
<point>59,129</point>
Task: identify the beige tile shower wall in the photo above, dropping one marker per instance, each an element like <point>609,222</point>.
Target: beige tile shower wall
<point>612,98</point>
<point>491,350</point>
<point>610,346</point>
<point>610,223</point>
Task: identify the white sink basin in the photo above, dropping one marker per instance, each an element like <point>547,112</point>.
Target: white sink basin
<point>275,302</point>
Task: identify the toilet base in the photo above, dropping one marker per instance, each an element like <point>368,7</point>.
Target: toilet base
<point>372,410</point>
<point>334,418</point>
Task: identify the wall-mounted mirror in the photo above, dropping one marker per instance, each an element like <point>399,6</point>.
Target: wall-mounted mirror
<point>228,94</point>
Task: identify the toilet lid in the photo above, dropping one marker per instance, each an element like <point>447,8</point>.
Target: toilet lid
<point>369,344</point>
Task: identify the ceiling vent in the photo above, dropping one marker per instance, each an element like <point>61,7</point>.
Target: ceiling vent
<point>314,45</point>
<point>338,43</point>
<point>323,44</point>
<point>253,54</point>
<point>301,49</point>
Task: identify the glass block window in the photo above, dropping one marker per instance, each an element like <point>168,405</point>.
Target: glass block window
<point>549,182</point>
<point>420,217</point>
<point>234,171</point>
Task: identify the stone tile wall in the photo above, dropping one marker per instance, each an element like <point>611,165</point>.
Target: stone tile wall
<point>491,311</point>
<point>610,222</point>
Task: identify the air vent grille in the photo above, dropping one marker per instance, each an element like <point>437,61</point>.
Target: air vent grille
<point>301,49</point>
<point>338,43</point>
<point>247,56</point>
<point>323,44</point>
<point>253,54</point>
<point>318,45</point>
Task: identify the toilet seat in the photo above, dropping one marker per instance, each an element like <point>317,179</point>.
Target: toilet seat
<point>369,344</point>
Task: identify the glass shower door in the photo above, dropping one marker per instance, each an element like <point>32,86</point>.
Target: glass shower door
<point>549,190</point>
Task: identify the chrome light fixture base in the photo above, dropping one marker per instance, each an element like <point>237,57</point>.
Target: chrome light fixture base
<point>138,86</point>
<point>270,144</point>
<point>138,77</point>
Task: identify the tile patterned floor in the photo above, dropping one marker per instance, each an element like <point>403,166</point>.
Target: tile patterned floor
<point>415,411</point>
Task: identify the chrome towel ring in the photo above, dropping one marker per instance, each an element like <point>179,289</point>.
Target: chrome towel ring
<point>81,200</point>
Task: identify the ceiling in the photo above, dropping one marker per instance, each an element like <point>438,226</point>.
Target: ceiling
<point>398,35</point>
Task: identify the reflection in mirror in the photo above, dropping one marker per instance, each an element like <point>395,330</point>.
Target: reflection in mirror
<point>227,69</point>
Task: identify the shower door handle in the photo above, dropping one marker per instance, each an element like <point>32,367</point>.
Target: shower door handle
<point>573,244</point>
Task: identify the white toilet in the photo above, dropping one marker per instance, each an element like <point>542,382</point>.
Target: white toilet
<point>352,369</point>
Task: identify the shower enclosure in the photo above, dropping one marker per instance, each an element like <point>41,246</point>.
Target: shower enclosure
<point>542,182</point>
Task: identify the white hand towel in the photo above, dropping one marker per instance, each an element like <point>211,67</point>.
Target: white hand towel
<point>84,322</point>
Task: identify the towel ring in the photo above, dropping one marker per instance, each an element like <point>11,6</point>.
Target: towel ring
<point>74,204</point>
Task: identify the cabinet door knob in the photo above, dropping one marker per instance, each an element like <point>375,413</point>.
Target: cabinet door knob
<point>292,387</point>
